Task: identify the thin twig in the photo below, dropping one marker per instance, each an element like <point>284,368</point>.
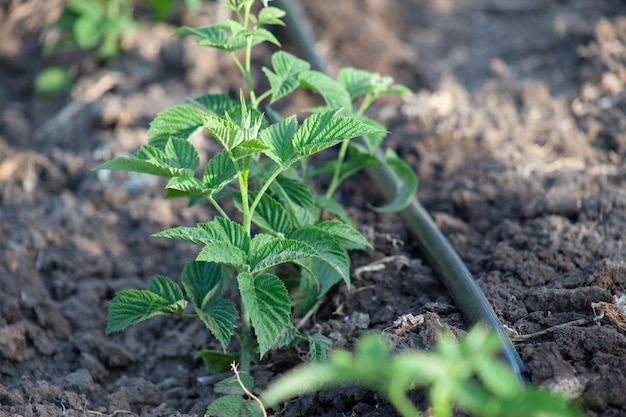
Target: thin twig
<point>234,367</point>
<point>525,337</point>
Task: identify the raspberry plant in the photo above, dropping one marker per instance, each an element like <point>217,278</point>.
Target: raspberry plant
<point>264,169</point>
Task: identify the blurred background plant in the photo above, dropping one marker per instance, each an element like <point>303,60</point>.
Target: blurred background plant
<point>99,26</point>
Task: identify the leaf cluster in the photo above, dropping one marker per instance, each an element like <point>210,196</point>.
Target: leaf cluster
<point>467,374</point>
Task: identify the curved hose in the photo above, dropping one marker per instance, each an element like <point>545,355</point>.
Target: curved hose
<point>459,282</point>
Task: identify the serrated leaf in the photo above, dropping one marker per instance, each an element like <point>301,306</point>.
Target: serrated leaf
<point>297,198</point>
<point>319,345</point>
<point>215,104</point>
<point>334,208</point>
<point>330,251</point>
<point>334,94</point>
<point>373,140</point>
<point>136,165</point>
<point>267,301</point>
<point>272,217</point>
<point>181,154</point>
<point>186,184</point>
<point>219,172</point>
<point>249,148</point>
<point>178,121</point>
<point>326,129</point>
<point>285,75</point>
<point>165,288</point>
<point>133,306</point>
<point>220,317</point>
<point>405,187</point>
<point>215,36</point>
<point>201,281</point>
<point>233,406</point>
<point>231,232</point>
<point>267,251</point>
<point>225,131</point>
<point>224,253</point>
<point>348,236</point>
<point>278,139</point>
<point>287,338</point>
<point>195,235</point>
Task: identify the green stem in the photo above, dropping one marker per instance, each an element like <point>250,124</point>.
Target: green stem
<point>367,101</point>
<point>263,189</point>
<point>334,184</point>
<point>243,188</point>
<point>401,402</point>
<point>246,340</point>
<point>217,207</point>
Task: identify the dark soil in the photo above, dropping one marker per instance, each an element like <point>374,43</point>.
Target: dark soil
<point>517,131</point>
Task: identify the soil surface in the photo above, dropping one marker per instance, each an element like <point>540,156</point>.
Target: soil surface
<point>516,129</point>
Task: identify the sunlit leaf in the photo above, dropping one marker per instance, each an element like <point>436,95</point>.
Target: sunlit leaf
<point>267,301</point>
<point>178,121</point>
<point>406,187</point>
<point>285,75</point>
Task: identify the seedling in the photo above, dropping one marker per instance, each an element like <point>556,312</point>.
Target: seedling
<point>264,168</point>
<point>467,374</point>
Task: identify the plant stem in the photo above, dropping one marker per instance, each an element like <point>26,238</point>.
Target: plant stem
<point>219,208</point>
<point>263,189</point>
<point>335,183</point>
<point>246,340</point>
<point>401,402</point>
<point>243,188</point>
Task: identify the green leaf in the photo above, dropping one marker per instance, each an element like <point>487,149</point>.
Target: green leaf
<point>330,251</point>
<point>181,154</point>
<point>201,281</point>
<point>219,172</point>
<point>359,82</point>
<point>259,35</point>
<point>267,301</point>
<point>134,164</point>
<point>334,94</point>
<point>287,338</point>
<point>319,345</point>
<point>166,288</point>
<point>178,121</point>
<point>220,317</point>
<point>270,16</point>
<point>231,384</point>
<point>373,140</point>
<point>297,197</point>
<point>133,306</point>
<point>278,139</point>
<point>334,208</point>
<point>215,360</point>
<point>267,251</point>
<point>186,184</point>
<point>272,217</point>
<point>215,36</point>
<point>349,237</point>
<point>195,235</point>
<point>249,148</point>
<point>224,253</point>
<point>405,188</point>
<point>285,77</point>
<point>215,104</point>
<point>326,129</point>
<point>233,406</point>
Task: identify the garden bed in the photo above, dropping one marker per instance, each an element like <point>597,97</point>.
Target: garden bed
<point>516,131</point>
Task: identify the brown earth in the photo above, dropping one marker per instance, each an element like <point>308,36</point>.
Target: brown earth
<point>517,131</point>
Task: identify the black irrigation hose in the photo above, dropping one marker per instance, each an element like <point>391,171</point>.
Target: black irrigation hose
<point>467,295</point>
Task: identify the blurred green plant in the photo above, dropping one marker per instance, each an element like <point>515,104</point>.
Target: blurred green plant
<point>467,374</point>
<point>97,25</point>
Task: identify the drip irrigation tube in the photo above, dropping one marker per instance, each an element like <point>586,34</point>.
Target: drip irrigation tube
<point>459,282</point>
